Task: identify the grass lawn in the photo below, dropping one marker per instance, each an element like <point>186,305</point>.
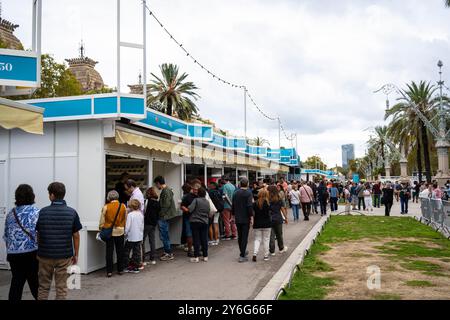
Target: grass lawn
<point>405,243</point>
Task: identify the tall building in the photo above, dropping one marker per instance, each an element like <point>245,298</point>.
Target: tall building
<point>348,153</point>
<point>83,68</point>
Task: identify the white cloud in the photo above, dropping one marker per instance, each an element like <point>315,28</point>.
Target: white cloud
<point>315,63</point>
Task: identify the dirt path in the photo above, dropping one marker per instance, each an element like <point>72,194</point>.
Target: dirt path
<point>350,260</point>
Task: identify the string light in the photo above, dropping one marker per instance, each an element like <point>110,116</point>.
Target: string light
<point>216,77</point>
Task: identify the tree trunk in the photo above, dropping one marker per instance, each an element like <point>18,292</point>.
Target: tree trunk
<point>419,159</point>
<point>169,107</point>
<point>426,152</point>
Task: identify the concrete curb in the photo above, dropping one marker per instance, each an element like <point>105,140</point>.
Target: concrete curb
<point>283,276</point>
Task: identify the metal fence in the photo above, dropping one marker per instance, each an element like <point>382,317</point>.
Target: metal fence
<point>436,213</point>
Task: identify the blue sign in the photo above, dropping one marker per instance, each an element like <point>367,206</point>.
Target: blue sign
<point>18,68</point>
<point>355,178</point>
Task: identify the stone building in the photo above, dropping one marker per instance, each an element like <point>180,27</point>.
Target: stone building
<point>83,68</point>
<point>7,38</point>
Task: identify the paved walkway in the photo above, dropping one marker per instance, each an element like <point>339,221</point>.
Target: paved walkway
<point>413,210</point>
<point>222,277</point>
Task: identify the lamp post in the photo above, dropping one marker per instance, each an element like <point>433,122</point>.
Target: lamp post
<point>441,134</point>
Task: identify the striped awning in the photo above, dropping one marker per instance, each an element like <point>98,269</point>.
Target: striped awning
<point>22,116</point>
<point>144,141</point>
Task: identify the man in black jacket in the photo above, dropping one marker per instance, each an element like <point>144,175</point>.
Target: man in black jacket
<point>58,229</point>
<point>242,210</point>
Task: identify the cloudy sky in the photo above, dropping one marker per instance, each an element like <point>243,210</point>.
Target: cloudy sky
<point>314,63</point>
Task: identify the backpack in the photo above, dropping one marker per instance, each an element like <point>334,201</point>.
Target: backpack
<point>218,201</point>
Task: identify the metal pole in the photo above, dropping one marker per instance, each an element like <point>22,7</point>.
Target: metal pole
<point>279,135</point>
<point>33,46</point>
<point>118,52</point>
<point>38,36</point>
<point>144,55</point>
<point>245,113</point>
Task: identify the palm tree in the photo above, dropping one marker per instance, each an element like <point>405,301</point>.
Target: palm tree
<point>171,94</point>
<point>406,126</point>
<point>259,142</point>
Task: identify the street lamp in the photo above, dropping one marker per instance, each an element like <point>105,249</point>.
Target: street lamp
<point>440,133</point>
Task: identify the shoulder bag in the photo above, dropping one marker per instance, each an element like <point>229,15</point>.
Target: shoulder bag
<point>106,233</point>
<point>28,233</point>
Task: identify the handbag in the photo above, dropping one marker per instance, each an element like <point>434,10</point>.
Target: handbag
<point>106,233</point>
<point>28,233</point>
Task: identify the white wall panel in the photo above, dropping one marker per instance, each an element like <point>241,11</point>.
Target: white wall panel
<point>28,145</point>
<point>37,172</point>
<point>66,171</point>
<point>66,142</point>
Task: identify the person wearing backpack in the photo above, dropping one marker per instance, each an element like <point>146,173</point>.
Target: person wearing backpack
<point>219,203</point>
<point>21,244</point>
<point>114,216</point>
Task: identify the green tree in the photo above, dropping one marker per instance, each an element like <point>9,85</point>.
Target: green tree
<point>259,142</point>
<point>447,3</point>
<point>406,126</point>
<point>171,94</point>
<point>56,80</point>
<point>314,162</point>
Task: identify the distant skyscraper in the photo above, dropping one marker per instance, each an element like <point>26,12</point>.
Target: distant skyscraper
<point>348,153</point>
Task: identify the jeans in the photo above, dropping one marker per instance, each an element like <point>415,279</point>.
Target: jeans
<point>229,224</point>
<point>149,231</point>
<point>334,204</point>
<point>376,200</point>
<point>295,208</point>
<point>306,208</point>
<point>262,235</point>
<point>361,200</point>
<point>368,203</point>
<point>24,268</point>
<point>164,235</point>
<point>387,209</point>
<point>49,268</point>
<point>323,207</point>
<point>404,204</point>
<point>276,233</point>
<point>135,247</point>
<point>117,243</point>
<point>200,238</point>
<point>243,230</point>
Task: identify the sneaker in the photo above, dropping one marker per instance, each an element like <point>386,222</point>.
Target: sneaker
<point>194,260</point>
<point>205,259</point>
<point>145,263</point>
<point>266,258</point>
<point>128,270</point>
<point>272,254</point>
<point>210,243</point>
<point>109,275</point>
<point>166,257</point>
<point>216,243</point>
<point>141,267</point>
<point>227,238</point>
<point>254,259</point>
<point>234,238</point>
<point>120,273</point>
<point>135,270</point>
<point>243,259</point>
<point>186,249</point>
<point>153,262</point>
<point>285,249</point>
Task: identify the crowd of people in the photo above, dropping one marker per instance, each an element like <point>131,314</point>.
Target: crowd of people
<point>43,243</point>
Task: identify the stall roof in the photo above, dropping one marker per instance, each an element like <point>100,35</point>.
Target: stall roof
<point>14,114</point>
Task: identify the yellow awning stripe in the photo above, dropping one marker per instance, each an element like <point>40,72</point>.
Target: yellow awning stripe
<point>29,121</point>
<point>123,137</point>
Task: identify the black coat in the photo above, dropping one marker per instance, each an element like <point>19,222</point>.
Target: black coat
<point>151,214</point>
<point>388,195</point>
<point>262,218</point>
